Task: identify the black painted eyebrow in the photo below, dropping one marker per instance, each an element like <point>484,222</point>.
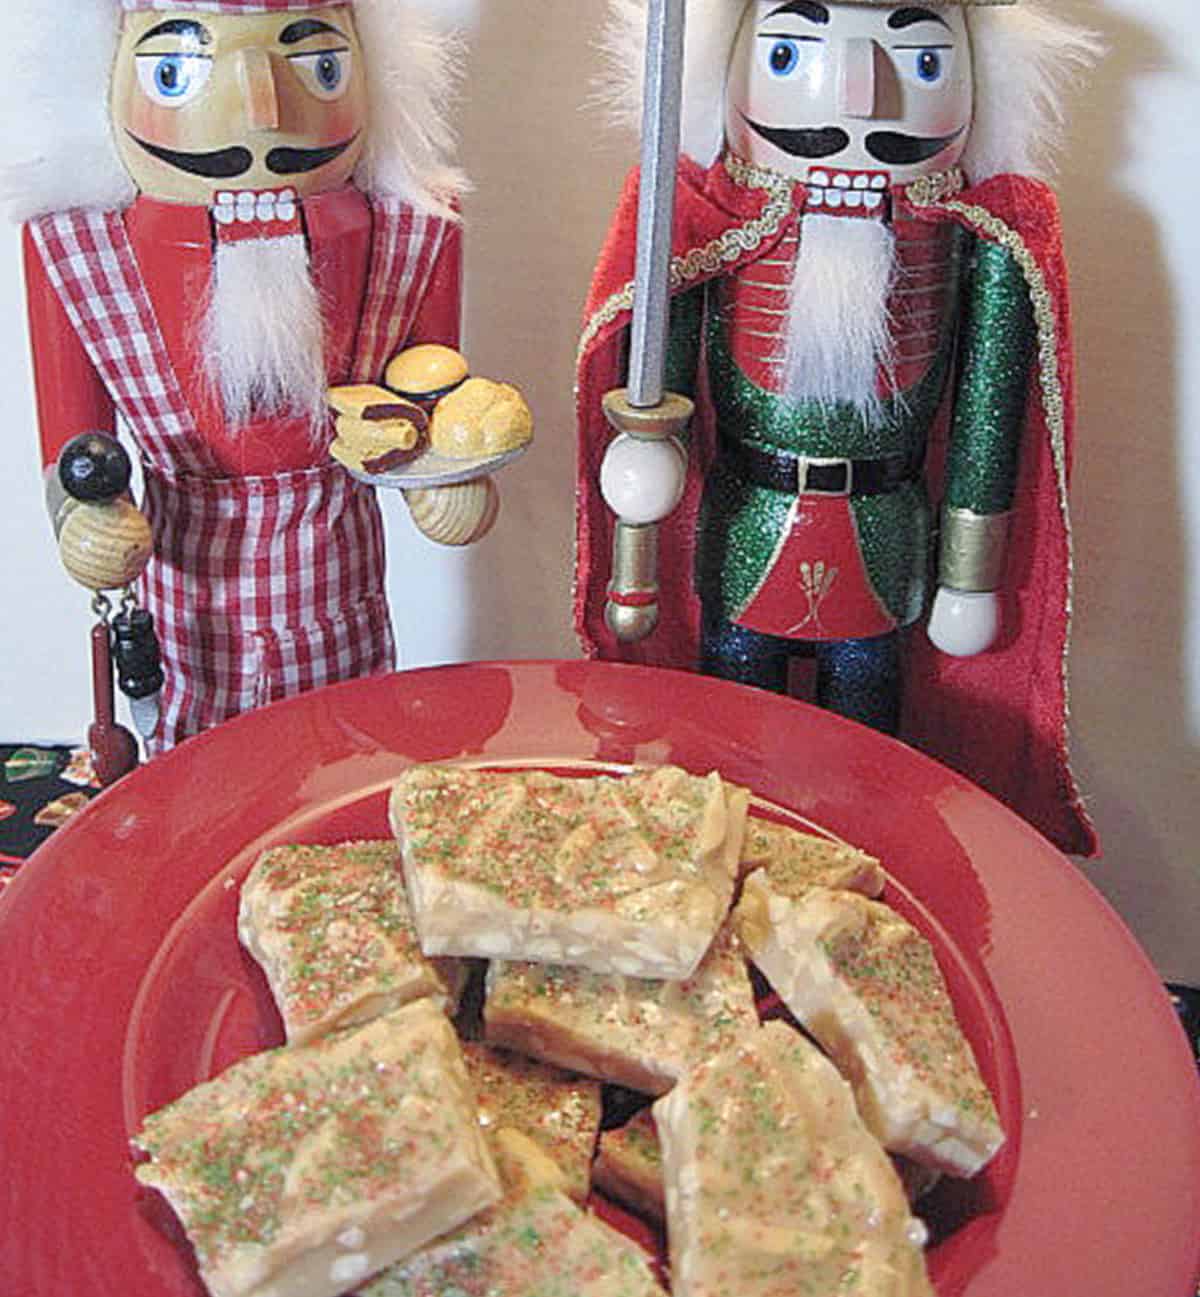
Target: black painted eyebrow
<point>810,9</point>
<point>910,14</point>
<point>178,27</point>
<point>303,28</point>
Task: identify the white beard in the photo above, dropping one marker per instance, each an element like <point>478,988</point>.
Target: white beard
<point>261,335</point>
<point>838,335</point>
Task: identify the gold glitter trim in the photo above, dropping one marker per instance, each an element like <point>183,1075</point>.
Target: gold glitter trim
<point>1053,400</point>
<point>709,259</point>
<point>974,547</point>
<point>935,188</point>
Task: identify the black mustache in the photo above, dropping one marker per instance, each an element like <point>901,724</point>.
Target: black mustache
<point>825,141</point>
<point>225,164</point>
<point>815,142</point>
<point>287,162</point>
<point>221,164</point>
<point>891,146</point>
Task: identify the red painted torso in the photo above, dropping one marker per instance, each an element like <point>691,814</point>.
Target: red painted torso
<point>754,301</point>
<point>173,245</point>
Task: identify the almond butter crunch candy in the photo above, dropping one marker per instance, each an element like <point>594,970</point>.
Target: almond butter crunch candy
<point>331,928</point>
<point>865,983</point>
<point>629,875</point>
<point>302,1170</point>
<point>775,1188</point>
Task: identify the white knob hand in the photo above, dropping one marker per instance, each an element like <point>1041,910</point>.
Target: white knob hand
<point>963,624</point>
<point>642,479</point>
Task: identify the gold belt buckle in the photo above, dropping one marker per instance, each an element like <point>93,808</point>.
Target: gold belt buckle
<point>802,467</point>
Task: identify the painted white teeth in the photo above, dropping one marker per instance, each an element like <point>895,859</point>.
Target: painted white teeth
<point>853,198</point>
<point>872,200</point>
<point>833,198</point>
<point>860,182</point>
<point>878,182</point>
<point>820,178</point>
<point>842,180</point>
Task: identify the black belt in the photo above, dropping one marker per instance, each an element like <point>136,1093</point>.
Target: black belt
<point>818,475</point>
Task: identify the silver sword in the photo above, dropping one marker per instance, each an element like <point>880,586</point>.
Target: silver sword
<point>642,409</point>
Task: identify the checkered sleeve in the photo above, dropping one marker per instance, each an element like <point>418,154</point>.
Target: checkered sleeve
<point>71,396</point>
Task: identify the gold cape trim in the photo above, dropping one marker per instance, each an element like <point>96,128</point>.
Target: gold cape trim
<point>689,266</point>
<point>1053,399</point>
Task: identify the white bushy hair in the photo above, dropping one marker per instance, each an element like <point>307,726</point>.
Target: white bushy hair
<point>56,142</point>
<point>1025,61</point>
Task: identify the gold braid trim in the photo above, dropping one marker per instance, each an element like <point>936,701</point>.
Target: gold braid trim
<point>709,259</point>
<point>1053,400</point>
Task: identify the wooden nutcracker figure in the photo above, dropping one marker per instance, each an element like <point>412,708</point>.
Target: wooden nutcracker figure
<point>232,205</point>
<point>869,313</point>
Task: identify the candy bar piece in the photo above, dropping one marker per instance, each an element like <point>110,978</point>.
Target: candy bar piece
<point>638,1032</point>
<point>331,927</point>
<point>305,1169</point>
<point>867,986</point>
<point>627,875</point>
<point>376,447</point>
<point>773,1184</point>
<point>796,861</point>
<point>535,1243</point>
<point>370,403</point>
<point>628,1167</point>
<point>559,1111</point>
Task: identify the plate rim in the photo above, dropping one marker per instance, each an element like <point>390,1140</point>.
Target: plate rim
<point>1136,964</point>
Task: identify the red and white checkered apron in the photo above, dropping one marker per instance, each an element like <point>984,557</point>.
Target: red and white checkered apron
<point>261,586</point>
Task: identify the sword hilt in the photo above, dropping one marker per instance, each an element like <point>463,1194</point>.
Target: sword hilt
<point>642,479</point>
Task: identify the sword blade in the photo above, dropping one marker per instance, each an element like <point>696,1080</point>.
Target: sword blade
<point>656,200</point>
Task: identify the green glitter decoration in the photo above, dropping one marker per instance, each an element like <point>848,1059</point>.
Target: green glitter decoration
<point>998,337</point>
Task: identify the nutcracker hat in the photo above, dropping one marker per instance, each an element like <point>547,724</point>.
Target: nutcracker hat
<point>1024,59</point>
<point>56,141</point>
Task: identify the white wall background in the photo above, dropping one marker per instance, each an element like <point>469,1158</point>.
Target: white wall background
<point>546,177</point>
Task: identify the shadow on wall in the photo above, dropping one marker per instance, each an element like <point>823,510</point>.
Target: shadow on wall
<point>1133,751</point>
<point>546,175</point>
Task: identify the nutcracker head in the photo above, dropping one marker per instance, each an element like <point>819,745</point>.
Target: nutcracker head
<point>862,84</point>
<point>238,96</point>
<point>881,88</point>
<point>182,98</point>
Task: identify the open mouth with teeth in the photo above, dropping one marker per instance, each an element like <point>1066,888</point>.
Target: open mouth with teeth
<point>846,193</point>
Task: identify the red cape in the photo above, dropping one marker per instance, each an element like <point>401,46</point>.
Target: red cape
<point>999,718</point>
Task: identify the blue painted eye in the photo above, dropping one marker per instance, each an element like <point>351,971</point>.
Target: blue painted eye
<point>929,65</point>
<point>326,73</point>
<point>925,65</point>
<point>783,58</point>
<point>172,79</point>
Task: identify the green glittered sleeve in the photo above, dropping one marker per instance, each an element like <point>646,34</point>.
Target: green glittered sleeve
<point>996,350</point>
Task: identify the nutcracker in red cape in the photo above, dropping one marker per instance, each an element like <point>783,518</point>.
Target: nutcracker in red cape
<point>869,311</point>
<point>232,205</point>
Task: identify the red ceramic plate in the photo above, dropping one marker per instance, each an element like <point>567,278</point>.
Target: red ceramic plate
<point>122,984</point>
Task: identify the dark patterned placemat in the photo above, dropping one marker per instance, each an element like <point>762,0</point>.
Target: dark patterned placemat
<point>1186,1000</point>
<point>41,787</point>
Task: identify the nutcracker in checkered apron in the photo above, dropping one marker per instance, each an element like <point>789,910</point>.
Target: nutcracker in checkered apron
<point>266,209</point>
<point>868,309</point>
